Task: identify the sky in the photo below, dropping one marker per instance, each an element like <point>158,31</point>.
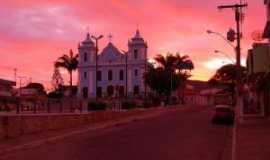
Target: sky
<point>34,33</point>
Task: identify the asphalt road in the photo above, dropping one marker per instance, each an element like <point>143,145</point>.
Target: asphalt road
<point>181,135</point>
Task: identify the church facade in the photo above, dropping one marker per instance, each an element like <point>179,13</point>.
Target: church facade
<point>112,73</point>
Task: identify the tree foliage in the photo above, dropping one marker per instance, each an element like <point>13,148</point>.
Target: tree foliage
<point>171,73</point>
<point>68,62</point>
<point>57,79</point>
<point>227,74</point>
<point>38,86</point>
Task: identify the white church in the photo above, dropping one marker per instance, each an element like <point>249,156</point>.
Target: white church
<point>112,73</point>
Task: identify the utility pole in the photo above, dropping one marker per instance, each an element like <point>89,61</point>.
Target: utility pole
<point>96,38</point>
<point>238,17</point>
<point>238,13</point>
<point>20,84</point>
<point>126,72</point>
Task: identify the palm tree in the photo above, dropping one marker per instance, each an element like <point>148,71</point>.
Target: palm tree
<point>168,62</point>
<point>184,63</point>
<point>68,62</point>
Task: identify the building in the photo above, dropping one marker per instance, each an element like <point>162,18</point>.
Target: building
<point>266,33</point>
<point>6,88</point>
<point>192,93</point>
<point>256,90</point>
<point>258,60</point>
<point>6,94</point>
<point>117,73</point>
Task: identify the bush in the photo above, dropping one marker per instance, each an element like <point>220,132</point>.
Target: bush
<point>128,104</point>
<point>96,106</point>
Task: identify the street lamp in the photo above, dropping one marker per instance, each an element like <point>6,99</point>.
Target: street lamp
<point>96,38</point>
<point>126,68</point>
<point>224,53</point>
<point>220,35</point>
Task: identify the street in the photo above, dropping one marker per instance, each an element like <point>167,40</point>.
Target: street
<point>183,134</point>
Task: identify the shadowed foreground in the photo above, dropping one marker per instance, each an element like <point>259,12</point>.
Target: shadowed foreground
<point>184,134</point>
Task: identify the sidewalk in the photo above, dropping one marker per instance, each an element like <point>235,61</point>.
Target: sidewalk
<point>35,140</point>
<point>253,140</point>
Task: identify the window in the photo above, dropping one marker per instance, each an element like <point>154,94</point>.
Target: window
<point>99,75</point>
<point>121,75</point>
<point>136,72</point>
<point>85,56</point>
<point>110,75</point>
<point>85,75</point>
<point>135,53</point>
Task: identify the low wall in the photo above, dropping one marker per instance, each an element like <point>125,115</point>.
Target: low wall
<point>12,126</point>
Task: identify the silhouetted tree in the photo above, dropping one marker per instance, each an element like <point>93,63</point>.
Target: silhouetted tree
<point>158,79</point>
<point>68,62</point>
<point>227,74</point>
<point>165,77</point>
<point>38,86</point>
<point>57,79</point>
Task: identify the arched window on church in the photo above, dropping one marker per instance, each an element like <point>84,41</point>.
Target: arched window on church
<point>135,53</point>
<point>85,56</point>
<point>110,75</point>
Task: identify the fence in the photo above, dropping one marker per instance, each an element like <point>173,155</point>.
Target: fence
<point>64,105</point>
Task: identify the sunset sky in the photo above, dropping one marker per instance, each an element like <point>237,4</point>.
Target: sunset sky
<point>33,33</point>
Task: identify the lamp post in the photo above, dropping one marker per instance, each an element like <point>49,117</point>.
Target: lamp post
<point>221,36</point>
<point>20,84</point>
<point>224,53</point>
<point>96,38</point>
<point>126,72</point>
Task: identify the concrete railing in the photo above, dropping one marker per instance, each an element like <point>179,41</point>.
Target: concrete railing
<point>12,126</point>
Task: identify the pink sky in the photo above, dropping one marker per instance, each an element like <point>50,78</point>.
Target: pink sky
<point>34,33</point>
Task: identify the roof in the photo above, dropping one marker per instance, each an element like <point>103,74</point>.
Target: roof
<point>7,82</point>
<point>88,40</point>
<point>110,53</point>
<point>198,85</point>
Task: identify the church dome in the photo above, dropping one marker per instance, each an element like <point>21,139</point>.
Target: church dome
<point>137,39</point>
<point>88,41</point>
<point>137,36</point>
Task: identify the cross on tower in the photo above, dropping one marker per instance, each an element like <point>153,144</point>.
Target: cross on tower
<point>110,36</point>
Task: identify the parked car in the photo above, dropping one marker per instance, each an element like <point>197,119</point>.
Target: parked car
<point>223,114</point>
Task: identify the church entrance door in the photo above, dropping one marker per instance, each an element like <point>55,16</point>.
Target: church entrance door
<point>85,92</point>
<point>121,91</point>
<point>110,90</point>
